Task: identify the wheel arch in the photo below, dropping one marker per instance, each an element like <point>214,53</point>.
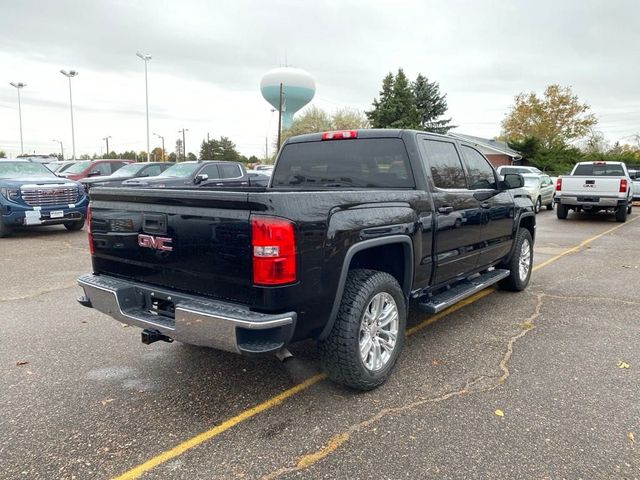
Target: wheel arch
<point>359,256</point>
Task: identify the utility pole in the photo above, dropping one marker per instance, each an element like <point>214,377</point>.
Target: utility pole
<point>61,147</point>
<point>266,149</point>
<point>146,57</point>
<point>184,140</point>
<point>280,117</point>
<point>162,138</point>
<point>106,139</point>
<point>19,86</point>
<point>70,74</point>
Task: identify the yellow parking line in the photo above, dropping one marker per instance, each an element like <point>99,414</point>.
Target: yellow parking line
<point>192,442</point>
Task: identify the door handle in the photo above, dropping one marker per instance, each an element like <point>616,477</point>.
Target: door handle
<point>445,210</point>
<point>485,205</point>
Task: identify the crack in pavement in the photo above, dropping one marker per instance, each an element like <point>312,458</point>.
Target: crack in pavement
<point>37,294</point>
<point>338,440</point>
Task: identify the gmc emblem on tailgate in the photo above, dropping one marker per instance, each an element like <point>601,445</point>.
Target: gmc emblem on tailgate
<point>161,244</point>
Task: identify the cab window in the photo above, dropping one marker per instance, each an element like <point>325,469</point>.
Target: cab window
<point>444,164</point>
<point>479,170</point>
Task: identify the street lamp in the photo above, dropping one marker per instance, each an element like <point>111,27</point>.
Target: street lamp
<point>184,141</point>
<point>106,139</point>
<point>61,147</point>
<point>162,138</point>
<point>146,57</point>
<point>70,74</point>
<point>18,86</point>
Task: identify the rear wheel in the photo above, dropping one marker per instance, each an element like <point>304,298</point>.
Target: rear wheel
<point>621,214</point>
<point>630,209</point>
<point>562,211</point>
<point>5,230</point>
<point>520,263</point>
<point>74,226</point>
<point>368,334</point>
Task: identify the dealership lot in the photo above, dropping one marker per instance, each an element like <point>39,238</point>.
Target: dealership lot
<point>525,385</point>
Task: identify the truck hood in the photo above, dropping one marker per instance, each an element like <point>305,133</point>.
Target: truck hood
<point>17,183</point>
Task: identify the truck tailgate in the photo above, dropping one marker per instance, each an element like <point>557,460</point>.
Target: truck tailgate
<point>185,240</point>
<point>589,186</point>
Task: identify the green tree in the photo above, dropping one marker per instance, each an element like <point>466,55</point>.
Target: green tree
<point>179,152</point>
<point>556,119</point>
<point>191,157</point>
<point>228,150</point>
<point>220,149</point>
<point>316,120</point>
<point>396,107</point>
<point>2,154</point>
<point>431,105</point>
<point>172,157</point>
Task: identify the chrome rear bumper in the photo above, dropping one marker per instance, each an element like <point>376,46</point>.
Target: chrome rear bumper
<point>189,319</point>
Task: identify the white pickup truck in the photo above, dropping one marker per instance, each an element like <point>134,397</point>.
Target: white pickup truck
<point>595,186</point>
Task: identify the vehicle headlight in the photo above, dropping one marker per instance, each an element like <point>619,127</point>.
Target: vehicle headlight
<point>10,193</point>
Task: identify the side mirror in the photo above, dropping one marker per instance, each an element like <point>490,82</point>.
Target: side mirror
<point>513,180</point>
<point>201,177</point>
<point>94,173</point>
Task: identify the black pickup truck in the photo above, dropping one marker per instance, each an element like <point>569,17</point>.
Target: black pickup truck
<point>354,227</point>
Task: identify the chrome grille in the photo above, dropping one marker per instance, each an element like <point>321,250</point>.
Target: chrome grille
<point>49,195</point>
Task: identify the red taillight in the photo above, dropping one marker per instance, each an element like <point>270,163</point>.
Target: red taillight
<point>273,244</point>
<point>89,232</point>
<point>340,135</point>
<point>558,185</point>
<point>623,185</point>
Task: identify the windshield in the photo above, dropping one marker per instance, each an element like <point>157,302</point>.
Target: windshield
<point>180,170</point>
<point>600,170</point>
<point>78,167</point>
<point>373,163</point>
<point>128,170</point>
<point>24,170</point>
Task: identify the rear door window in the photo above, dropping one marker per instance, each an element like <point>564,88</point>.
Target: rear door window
<point>480,171</point>
<point>229,170</point>
<point>444,164</point>
<point>357,163</point>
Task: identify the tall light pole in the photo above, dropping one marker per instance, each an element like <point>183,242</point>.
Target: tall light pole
<point>146,57</point>
<point>19,86</point>
<point>162,138</point>
<point>184,141</point>
<point>70,74</point>
<point>106,139</point>
<point>61,147</point>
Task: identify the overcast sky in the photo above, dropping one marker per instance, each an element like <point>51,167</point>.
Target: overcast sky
<point>209,56</point>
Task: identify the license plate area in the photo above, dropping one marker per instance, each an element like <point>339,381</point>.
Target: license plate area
<point>159,305</point>
<point>56,214</point>
<point>589,199</point>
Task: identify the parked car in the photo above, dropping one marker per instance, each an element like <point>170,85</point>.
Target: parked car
<point>347,232</point>
<point>201,173</point>
<point>37,158</point>
<point>595,186</point>
<point>133,170</point>
<point>517,169</point>
<point>259,178</point>
<point>635,179</point>
<point>30,194</point>
<point>59,166</point>
<point>92,168</point>
<point>540,190</point>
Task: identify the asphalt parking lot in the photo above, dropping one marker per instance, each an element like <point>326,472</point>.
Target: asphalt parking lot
<point>540,384</point>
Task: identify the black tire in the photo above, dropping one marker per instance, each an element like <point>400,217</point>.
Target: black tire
<point>538,205</point>
<point>562,211</point>
<point>74,226</point>
<point>515,282</point>
<point>550,206</point>
<point>621,214</point>
<point>5,230</point>
<point>630,209</point>
<point>340,351</point>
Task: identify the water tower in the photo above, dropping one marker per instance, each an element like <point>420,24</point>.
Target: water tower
<point>298,88</point>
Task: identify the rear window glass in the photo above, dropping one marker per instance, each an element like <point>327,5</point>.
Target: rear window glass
<point>606,170</point>
<point>367,162</point>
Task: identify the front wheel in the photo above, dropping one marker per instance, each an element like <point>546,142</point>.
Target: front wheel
<point>520,264</point>
<point>538,206</point>
<point>74,226</point>
<point>5,230</point>
<point>368,334</point>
